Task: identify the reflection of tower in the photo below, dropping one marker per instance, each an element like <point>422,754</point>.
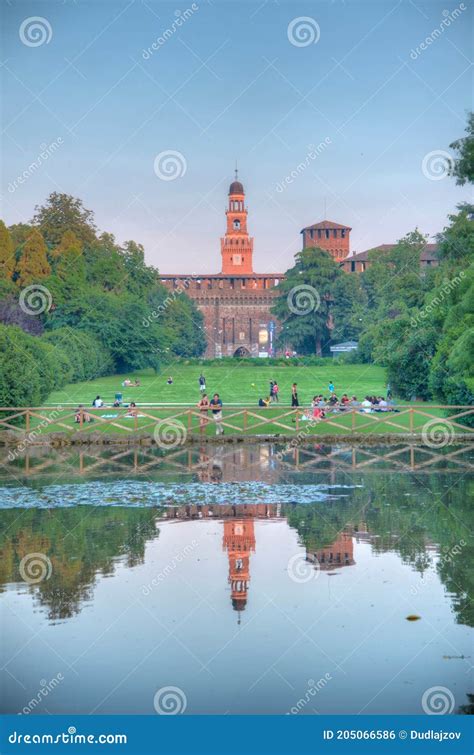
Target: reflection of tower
<point>239,541</point>
<point>339,553</point>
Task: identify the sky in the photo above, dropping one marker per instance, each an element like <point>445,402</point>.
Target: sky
<point>332,109</point>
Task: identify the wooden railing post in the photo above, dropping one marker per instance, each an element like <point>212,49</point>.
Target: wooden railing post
<point>297,420</point>
<point>190,420</point>
<point>353,420</point>
<point>411,417</point>
<point>245,419</point>
<point>81,418</point>
<point>27,422</point>
<point>135,420</point>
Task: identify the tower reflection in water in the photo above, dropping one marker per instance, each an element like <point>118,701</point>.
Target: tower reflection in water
<point>239,541</point>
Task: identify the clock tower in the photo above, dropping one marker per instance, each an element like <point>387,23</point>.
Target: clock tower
<point>237,245</point>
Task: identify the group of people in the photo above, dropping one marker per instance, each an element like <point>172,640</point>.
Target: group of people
<point>127,383</point>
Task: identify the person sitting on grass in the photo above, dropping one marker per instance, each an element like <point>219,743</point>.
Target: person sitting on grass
<point>170,380</point>
<point>132,410</point>
<point>366,405</point>
<point>354,401</point>
<point>264,401</point>
<point>127,383</point>
<point>344,401</point>
<point>97,403</point>
<point>86,417</point>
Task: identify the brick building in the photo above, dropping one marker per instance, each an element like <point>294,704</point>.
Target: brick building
<point>236,302</point>
<point>359,262</point>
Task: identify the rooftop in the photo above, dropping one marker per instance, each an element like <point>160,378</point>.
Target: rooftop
<point>325,224</point>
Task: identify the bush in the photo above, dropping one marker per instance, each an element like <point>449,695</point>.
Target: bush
<point>87,357</point>
<point>26,368</point>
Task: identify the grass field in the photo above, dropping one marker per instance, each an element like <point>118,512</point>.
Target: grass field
<point>239,384</point>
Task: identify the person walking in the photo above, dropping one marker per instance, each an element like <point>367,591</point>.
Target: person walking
<point>294,395</point>
<point>203,406</point>
<point>216,408</point>
<point>202,383</point>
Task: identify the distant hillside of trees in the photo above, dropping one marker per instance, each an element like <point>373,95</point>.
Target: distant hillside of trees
<point>419,324</point>
<point>75,305</point>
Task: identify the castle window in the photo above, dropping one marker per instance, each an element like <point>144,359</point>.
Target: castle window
<point>335,234</point>
<point>243,282</point>
<point>343,233</point>
<point>311,233</point>
<point>327,233</point>
<point>319,233</point>
<point>353,267</point>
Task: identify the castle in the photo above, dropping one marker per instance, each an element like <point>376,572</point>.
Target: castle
<point>236,303</point>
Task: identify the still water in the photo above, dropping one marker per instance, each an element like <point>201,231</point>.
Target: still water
<point>236,580</point>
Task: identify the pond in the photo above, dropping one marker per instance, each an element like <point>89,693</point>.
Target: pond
<point>237,579</point>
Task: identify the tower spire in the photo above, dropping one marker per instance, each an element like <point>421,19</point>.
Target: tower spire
<point>236,171</point>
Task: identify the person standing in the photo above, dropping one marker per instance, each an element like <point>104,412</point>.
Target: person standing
<point>203,406</point>
<point>202,383</point>
<point>216,408</point>
<point>272,383</point>
<point>275,391</point>
<point>294,395</point>
<point>331,388</point>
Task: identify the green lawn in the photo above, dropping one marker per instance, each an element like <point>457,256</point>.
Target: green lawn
<point>236,384</point>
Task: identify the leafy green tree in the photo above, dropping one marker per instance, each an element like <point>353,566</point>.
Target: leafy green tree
<point>105,264</point>
<point>349,308</point>
<point>33,264</point>
<point>62,213</point>
<point>139,277</point>
<point>303,302</point>
<point>456,242</point>
<point>7,256</point>
<point>463,167</point>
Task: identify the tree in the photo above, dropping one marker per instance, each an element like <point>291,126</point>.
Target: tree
<point>463,166</point>
<point>303,303</point>
<point>138,276</point>
<point>70,266</point>
<point>62,213</point>
<point>456,242</point>
<point>349,308</point>
<point>33,264</point>
<point>7,256</point>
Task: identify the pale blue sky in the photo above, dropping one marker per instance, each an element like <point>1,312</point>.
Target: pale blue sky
<point>228,83</point>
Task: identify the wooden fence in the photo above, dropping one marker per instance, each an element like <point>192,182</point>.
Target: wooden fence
<point>172,425</point>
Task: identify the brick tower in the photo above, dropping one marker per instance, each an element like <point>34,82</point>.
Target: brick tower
<point>332,237</point>
<point>237,246</point>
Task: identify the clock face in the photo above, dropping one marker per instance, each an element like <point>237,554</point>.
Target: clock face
<point>236,224</point>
